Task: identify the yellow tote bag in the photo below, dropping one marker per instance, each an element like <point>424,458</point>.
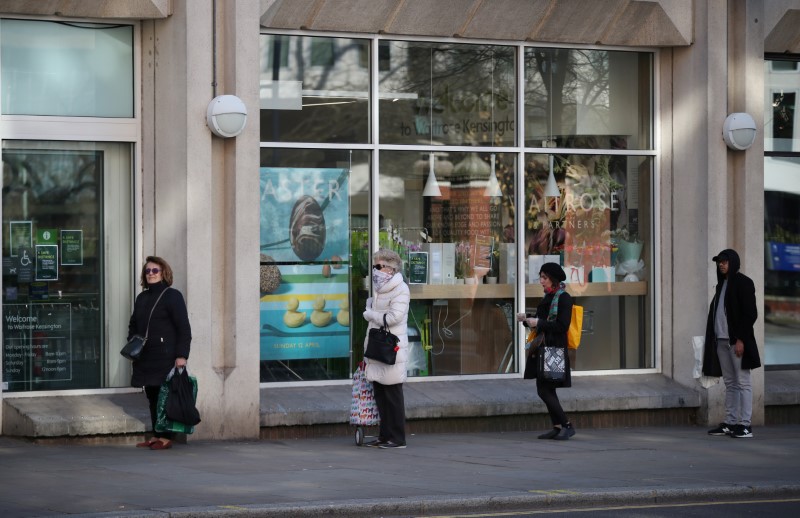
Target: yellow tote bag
<point>575,327</point>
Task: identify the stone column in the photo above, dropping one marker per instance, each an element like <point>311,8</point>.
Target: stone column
<point>717,193</point>
<point>201,213</point>
<point>746,168</point>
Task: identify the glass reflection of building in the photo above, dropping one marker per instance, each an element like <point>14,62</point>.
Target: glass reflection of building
<point>781,213</point>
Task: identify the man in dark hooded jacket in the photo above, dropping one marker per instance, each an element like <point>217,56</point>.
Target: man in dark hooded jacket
<point>730,349</point>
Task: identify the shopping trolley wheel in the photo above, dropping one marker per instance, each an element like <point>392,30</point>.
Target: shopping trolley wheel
<point>359,436</point>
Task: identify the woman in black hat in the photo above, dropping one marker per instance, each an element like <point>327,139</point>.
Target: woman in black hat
<point>552,321</point>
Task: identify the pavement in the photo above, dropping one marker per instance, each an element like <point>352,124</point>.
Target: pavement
<point>436,474</point>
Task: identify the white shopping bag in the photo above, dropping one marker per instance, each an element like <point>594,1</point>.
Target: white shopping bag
<point>698,343</point>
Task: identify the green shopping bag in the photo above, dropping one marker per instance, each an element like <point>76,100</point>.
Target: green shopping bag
<point>163,423</point>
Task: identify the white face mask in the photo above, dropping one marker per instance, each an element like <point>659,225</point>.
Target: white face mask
<point>380,278</point>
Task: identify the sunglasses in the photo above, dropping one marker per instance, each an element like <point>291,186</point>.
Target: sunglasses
<point>380,266</point>
<point>154,271</point>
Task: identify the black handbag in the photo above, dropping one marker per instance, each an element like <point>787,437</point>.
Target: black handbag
<point>552,363</point>
<point>133,349</point>
<point>531,365</point>
<point>382,345</point>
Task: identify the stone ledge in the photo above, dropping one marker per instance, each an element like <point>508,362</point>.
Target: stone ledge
<point>429,401</point>
<point>302,406</point>
<point>782,388</point>
<point>58,416</point>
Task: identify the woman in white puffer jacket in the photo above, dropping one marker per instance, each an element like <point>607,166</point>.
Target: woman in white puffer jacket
<point>391,298</point>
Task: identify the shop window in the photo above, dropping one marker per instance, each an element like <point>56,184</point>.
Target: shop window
<point>781,214</point>
<point>449,210</point>
<point>592,99</point>
<point>314,258</point>
<point>459,252</point>
<point>591,214</point>
<point>314,89</point>
<point>442,94</point>
<point>67,264</point>
<point>66,68</point>
<point>782,262</point>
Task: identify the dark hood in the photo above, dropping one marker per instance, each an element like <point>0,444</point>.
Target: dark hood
<point>734,263</point>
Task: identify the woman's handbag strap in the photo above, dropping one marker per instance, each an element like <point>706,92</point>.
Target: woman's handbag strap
<point>147,332</point>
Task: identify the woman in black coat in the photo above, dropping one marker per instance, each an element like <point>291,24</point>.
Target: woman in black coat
<point>552,277</point>
<point>169,338</point>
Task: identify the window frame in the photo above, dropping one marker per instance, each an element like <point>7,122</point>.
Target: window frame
<point>375,147</point>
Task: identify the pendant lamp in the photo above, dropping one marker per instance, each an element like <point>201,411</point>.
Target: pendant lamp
<point>551,188</point>
<point>431,185</point>
<point>492,186</point>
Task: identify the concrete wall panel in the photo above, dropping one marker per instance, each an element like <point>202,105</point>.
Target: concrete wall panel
<point>699,211</point>
<point>509,19</point>
<point>287,14</point>
<point>645,24</point>
<point>422,17</point>
<point>369,16</point>
<point>617,22</point>
<point>129,9</point>
<point>575,21</point>
<point>784,36</point>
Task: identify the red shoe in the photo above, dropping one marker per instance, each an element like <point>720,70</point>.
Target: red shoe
<point>161,445</point>
<point>146,444</point>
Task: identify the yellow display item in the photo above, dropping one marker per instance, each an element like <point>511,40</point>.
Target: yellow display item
<point>292,317</point>
<point>319,317</point>
<point>343,316</point>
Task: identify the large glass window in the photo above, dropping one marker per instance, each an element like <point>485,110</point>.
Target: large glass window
<point>67,272</point>
<point>782,214</point>
<point>314,259</point>
<point>452,172</point>
<point>591,214</point>
<point>314,89</point>
<point>460,251</point>
<point>594,99</point>
<point>434,93</point>
<point>781,117</point>
<point>63,68</point>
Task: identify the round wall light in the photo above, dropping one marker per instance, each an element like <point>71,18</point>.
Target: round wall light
<point>739,131</point>
<point>226,116</point>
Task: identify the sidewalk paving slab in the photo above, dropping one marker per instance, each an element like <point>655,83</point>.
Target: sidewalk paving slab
<point>437,473</point>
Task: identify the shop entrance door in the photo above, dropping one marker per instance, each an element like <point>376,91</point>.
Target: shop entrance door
<point>54,272</point>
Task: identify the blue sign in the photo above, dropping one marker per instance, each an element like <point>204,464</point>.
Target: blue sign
<point>783,256</point>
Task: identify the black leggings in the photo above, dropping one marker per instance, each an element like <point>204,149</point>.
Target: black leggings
<point>547,391</point>
<point>152,398</point>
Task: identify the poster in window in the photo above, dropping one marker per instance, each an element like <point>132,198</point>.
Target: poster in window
<point>418,267</point>
<point>72,247</point>
<point>46,262</point>
<point>305,242</point>
<point>20,235</point>
<point>37,343</point>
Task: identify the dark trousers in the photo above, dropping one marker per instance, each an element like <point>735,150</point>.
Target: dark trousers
<point>152,398</point>
<point>392,410</point>
<point>547,391</point>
